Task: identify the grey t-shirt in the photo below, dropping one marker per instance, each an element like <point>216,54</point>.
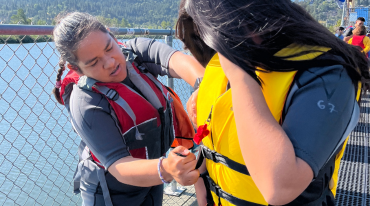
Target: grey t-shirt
<point>320,112</point>
<point>153,55</point>
<point>94,118</point>
<point>96,123</point>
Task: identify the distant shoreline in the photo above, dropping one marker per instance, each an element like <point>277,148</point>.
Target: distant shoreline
<point>17,39</point>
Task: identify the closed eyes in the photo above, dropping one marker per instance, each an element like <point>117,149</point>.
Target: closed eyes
<point>110,48</point>
<point>97,60</point>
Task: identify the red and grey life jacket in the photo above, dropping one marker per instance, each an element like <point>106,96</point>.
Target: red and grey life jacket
<point>151,123</point>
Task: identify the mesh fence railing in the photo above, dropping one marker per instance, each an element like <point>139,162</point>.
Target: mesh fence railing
<point>350,15</point>
<point>38,147</point>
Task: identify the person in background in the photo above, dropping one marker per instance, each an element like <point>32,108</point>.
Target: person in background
<point>126,118</point>
<point>276,103</point>
<point>339,33</point>
<point>360,39</point>
<point>348,33</point>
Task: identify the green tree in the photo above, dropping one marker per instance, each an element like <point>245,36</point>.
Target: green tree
<point>166,24</point>
<point>36,6</point>
<point>163,24</point>
<point>124,23</point>
<point>20,17</point>
<point>104,21</point>
<point>114,22</point>
<point>338,23</point>
<point>41,22</point>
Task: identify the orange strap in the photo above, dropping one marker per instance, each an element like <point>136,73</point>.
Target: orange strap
<point>185,132</point>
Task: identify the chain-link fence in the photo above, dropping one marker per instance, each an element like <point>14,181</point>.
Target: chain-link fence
<point>38,147</point>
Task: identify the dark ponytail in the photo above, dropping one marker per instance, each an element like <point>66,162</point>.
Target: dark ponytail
<point>187,32</point>
<point>56,91</point>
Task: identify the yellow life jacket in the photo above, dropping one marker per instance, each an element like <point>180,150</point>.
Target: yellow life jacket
<point>228,176</point>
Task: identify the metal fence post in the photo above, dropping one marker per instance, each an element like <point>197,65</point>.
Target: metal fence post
<point>172,189</point>
<point>344,10</point>
<point>168,40</point>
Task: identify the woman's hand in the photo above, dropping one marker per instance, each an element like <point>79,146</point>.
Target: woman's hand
<point>144,173</point>
<point>191,107</point>
<point>182,168</point>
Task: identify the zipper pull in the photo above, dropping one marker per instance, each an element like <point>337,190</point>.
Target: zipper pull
<point>210,115</point>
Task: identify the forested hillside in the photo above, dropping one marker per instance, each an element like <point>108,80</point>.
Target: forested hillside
<point>148,13</point>
<point>135,13</point>
<point>327,12</point>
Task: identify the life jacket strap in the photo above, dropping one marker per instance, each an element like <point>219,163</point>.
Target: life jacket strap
<point>130,55</point>
<point>97,174</point>
<point>209,197</point>
<point>158,84</point>
<point>219,158</point>
<point>143,86</point>
<point>226,196</point>
<point>113,95</point>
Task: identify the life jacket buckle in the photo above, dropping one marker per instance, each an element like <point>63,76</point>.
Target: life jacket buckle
<point>112,94</point>
<point>217,189</point>
<point>210,154</point>
<point>213,156</point>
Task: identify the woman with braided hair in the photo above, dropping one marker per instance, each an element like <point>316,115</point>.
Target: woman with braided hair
<point>126,118</point>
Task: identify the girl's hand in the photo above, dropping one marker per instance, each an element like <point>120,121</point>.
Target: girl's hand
<point>182,169</point>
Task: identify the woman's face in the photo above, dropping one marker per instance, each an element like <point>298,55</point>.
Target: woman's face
<point>99,57</point>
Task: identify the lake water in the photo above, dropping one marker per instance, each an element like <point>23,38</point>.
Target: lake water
<point>38,147</point>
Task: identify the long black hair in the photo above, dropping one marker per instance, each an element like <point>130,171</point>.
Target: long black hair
<point>250,32</point>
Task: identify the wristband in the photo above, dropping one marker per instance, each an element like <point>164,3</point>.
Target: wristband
<point>159,171</point>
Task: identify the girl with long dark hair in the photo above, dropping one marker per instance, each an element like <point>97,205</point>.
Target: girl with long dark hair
<point>276,104</point>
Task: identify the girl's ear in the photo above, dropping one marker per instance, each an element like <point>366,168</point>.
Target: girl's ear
<point>75,68</point>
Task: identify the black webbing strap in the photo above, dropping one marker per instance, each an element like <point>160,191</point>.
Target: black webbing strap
<point>201,158</point>
<point>219,158</point>
<point>226,196</point>
<point>210,201</point>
